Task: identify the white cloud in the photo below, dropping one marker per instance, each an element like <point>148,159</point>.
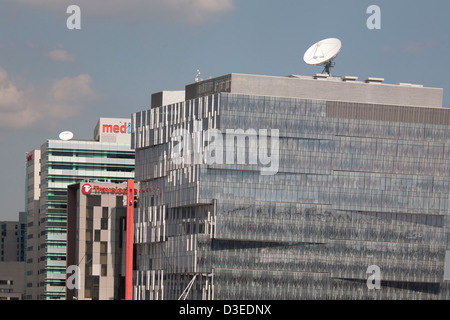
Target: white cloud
<point>71,89</point>
<point>11,98</point>
<point>186,11</point>
<point>31,45</point>
<point>39,106</point>
<point>60,55</point>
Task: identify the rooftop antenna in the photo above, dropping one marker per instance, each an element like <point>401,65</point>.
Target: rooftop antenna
<point>322,53</point>
<point>197,76</point>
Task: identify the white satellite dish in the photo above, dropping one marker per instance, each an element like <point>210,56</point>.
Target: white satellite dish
<point>66,135</point>
<point>323,53</point>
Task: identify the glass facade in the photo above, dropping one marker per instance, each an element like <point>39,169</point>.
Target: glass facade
<point>351,190</point>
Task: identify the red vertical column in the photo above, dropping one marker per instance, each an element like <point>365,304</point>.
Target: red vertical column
<point>130,238</point>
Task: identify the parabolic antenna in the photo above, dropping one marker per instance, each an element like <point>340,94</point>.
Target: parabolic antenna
<point>322,53</point>
<point>66,135</point>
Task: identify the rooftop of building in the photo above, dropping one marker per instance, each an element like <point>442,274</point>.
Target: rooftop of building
<point>372,90</point>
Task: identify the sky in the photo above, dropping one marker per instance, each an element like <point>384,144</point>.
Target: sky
<point>54,79</point>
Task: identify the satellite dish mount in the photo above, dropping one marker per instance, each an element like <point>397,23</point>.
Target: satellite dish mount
<point>322,53</point>
<point>327,66</point>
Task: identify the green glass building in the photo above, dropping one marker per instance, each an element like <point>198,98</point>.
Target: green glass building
<point>50,169</point>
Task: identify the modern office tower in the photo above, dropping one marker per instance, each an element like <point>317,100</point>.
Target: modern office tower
<point>33,230</point>
<point>96,240</point>
<point>50,169</point>
<point>262,187</point>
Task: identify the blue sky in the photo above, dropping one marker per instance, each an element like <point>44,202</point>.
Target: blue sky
<point>54,79</point>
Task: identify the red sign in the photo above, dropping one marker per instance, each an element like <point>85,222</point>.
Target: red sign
<point>30,156</point>
<point>109,128</point>
<point>129,250</point>
<point>86,188</point>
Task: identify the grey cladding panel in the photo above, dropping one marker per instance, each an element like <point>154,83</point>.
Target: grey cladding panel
<point>359,111</point>
<point>208,87</point>
<point>447,265</point>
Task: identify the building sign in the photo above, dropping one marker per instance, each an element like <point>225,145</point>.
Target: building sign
<point>30,156</point>
<point>113,130</point>
<point>109,190</point>
<point>86,188</point>
<point>109,128</point>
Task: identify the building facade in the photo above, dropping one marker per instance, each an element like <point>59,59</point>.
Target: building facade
<point>259,187</point>
<point>96,240</point>
<point>12,258</point>
<point>12,280</point>
<point>13,239</point>
<point>50,170</point>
